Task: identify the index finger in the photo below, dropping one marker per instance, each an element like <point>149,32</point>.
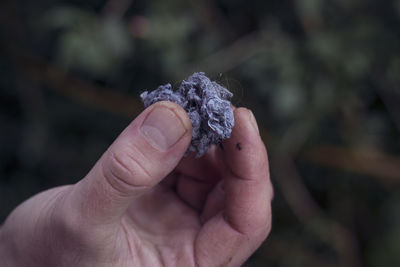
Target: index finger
<point>247,182</point>
<point>232,235</point>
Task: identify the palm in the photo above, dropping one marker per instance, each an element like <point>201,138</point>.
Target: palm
<point>167,220</point>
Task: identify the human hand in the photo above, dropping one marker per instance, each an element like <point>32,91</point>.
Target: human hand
<point>142,204</point>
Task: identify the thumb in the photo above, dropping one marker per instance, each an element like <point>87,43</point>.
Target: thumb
<point>144,153</point>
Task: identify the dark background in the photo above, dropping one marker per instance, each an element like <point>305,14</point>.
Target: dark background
<point>322,77</point>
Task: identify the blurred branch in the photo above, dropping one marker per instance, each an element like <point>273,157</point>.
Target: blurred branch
<point>391,101</point>
<point>276,249</point>
<point>368,162</point>
<point>298,133</point>
<point>116,8</point>
<point>293,189</point>
<point>306,208</point>
<point>389,96</point>
<point>346,244</point>
<point>309,14</point>
<point>82,91</point>
<point>231,56</point>
<point>211,18</point>
<point>299,198</point>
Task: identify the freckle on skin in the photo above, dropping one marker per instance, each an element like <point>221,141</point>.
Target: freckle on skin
<point>239,146</point>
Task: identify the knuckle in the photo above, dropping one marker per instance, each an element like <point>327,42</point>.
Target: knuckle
<point>267,229</point>
<point>264,227</point>
<point>125,169</point>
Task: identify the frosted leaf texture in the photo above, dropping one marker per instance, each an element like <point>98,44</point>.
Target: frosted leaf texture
<point>207,104</point>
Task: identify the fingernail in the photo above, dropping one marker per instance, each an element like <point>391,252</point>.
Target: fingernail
<point>253,121</point>
<point>162,128</point>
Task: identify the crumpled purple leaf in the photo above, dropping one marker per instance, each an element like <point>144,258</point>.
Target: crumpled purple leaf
<point>207,104</point>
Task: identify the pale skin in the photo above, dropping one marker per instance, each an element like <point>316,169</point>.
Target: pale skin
<point>144,204</point>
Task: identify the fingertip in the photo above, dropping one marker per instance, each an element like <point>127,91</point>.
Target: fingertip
<point>177,110</point>
<point>244,152</point>
<point>245,118</point>
<point>253,121</point>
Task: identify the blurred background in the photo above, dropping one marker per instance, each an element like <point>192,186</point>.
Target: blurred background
<point>322,77</point>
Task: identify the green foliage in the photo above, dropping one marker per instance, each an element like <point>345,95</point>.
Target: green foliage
<point>87,42</point>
